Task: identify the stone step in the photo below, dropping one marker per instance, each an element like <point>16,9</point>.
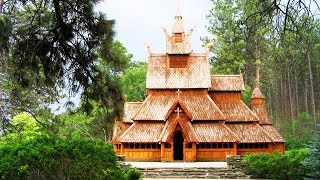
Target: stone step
<point>196,173</point>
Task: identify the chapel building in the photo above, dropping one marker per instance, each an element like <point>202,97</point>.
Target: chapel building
<point>191,115</point>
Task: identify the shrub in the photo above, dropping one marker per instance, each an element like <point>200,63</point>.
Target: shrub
<point>134,174</point>
<point>276,165</point>
<point>313,160</point>
<point>50,157</point>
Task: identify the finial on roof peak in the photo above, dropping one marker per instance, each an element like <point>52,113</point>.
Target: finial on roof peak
<point>178,12</point>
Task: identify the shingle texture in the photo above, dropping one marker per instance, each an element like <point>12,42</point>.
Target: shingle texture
<point>237,112</point>
<point>159,76</point>
<point>226,83</point>
<point>273,133</point>
<point>201,107</point>
<point>249,132</point>
<point>214,132</point>
<point>143,132</point>
<point>118,129</point>
<point>130,109</point>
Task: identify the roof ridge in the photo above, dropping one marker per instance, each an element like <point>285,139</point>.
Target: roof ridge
<point>229,130</point>
<point>143,104</point>
<point>265,132</point>
<point>211,100</point>
<point>126,131</point>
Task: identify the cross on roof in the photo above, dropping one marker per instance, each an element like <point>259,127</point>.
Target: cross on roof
<point>179,93</point>
<point>178,110</point>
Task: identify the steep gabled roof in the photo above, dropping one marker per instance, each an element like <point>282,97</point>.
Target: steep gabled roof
<point>237,111</point>
<point>159,76</point>
<point>273,133</point>
<point>202,107</point>
<point>226,83</point>
<point>143,132</point>
<point>214,132</point>
<point>130,109</point>
<point>262,113</point>
<point>170,127</point>
<point>157,107</point>
<point>250,133</point>
<point>118,129</point>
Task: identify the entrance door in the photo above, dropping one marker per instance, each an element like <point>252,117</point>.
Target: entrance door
<point>178,146</point>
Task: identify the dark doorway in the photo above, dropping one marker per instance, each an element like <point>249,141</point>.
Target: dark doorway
<point>178,146</point>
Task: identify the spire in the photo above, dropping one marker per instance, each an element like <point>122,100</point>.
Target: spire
<point>178,25</point>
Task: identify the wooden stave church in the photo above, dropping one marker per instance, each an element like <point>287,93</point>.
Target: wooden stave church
<point>191,115</point>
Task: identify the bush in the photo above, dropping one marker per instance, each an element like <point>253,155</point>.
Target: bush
<point>276,165</point>
<point>134,174</point>
<point>49,157</point>
<point>313,160</point>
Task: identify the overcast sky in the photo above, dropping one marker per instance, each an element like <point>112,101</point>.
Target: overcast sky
<point>141,21</point>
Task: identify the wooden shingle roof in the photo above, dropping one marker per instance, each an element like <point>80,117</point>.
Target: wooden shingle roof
<point>159,76</point>
<point>130,109</point>
<point>237,111</point>
<point>155,107</point>
<point>226,83</point>
<point>214,132</point>
<point>187,130</point>
<point>201,107</point>
<point>143,132</point>
<point>118,129</point>
<point>250,133</point>
<point>257,94</point>
<point>262,113</point>
<point>273,132</point>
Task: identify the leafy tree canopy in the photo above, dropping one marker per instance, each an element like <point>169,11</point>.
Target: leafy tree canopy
<point>54,45</point>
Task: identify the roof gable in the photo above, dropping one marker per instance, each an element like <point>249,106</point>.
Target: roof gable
<point>226,83</point>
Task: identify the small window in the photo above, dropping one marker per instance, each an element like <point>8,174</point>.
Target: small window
<point>256,145</point>
<point>219,145</point>
<point>203,146</point>
<point>198,146</point>
<point>137,146</point>
<point>158,146</point>
<point>265,145</point>
<point>148,146</point>
<point>167,145</point>
<point>178,37</point>
<point>251,146</point>
<point>118,146</point>
<point>245,146</point>
<point>143,146</point>
<point>230,145</point>
<point>189,145</point>
<point>214,145</point>
<point>131,146</point>
<point>154,146</point>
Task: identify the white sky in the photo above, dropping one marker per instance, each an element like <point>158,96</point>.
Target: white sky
<point>141,21</point>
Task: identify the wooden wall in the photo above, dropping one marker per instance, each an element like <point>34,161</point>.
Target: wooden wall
<point>142,154</point>
<point>214,154</point>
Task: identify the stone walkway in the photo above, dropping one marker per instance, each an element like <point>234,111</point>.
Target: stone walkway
<point>178,164</point>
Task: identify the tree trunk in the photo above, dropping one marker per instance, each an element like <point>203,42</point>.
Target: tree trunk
<point>313,107</point>
<point>297,94</point>
<point>290,100</point>
<point>1,5</point>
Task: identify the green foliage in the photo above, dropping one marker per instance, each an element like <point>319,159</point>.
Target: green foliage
<point>313,159</point>
<point>302,133</point>
<point>276,165</point>
<point>51,157</point>
<point>134,81</point>
<point>134,174</point>
<point>246,95</point>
